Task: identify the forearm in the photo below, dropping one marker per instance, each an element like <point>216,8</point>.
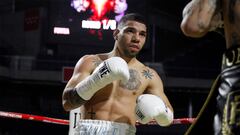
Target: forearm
<point>71,99</point>
<point>197,16</point>
<point>114,68</point>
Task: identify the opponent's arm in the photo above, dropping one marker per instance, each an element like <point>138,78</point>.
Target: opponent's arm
<point>154,104</point>
<point>198,17</point>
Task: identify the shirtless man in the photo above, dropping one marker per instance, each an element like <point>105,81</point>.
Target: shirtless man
<point>114,89</point>
<point>222,104</point>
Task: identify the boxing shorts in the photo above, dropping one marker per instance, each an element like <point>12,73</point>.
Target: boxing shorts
<point>101,127</point>
<point>220,114</point>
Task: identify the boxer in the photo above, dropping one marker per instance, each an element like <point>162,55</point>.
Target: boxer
<point>115,89</point>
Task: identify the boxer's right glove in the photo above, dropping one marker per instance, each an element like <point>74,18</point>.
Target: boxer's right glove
<point>114,68</point>
<point>152,107</point>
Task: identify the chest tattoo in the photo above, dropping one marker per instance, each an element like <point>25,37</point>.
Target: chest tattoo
<point>134,81</point>
<point>147,74</point>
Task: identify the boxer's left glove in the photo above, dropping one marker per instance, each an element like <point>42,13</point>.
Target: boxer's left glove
<point>152,107</point>
<point>114,68</point>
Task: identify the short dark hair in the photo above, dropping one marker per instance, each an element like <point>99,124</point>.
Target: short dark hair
<point>132,17</point>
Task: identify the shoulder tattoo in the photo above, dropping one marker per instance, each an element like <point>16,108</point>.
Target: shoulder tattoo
<point>147,74</point>
<point>134,81</point>
<point>97,61</point>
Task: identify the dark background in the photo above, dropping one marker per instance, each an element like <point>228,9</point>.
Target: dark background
<point>31,61</point>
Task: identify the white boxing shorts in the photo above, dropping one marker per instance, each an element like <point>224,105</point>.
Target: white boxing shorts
<point>101,127</point>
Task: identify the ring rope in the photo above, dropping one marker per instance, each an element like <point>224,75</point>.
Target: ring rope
<point>33,117</point>
<point>66,122</point>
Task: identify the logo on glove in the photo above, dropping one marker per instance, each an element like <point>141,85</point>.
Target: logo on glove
<point>140,115</point>
<point>104,70</point>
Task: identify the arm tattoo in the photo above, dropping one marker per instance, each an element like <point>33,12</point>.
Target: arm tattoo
<point>134,82</point>
<point>73,98</point>
<point>201,25</point>
<point>213,4</point>
<point>147,74</point>
<point>189,10</point>
<point>97,61</point>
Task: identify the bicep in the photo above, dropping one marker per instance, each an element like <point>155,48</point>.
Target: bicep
<point>82,69</point>
<point>76,78</point>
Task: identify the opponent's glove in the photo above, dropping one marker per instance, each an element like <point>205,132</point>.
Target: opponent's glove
<point>114,68</point>
<point>152,107</point>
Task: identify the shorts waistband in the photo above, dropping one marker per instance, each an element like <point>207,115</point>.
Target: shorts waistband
<point>231,57</point>
<point>111,123</point>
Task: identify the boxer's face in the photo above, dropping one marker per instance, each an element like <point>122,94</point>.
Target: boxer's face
<point>131,37</point>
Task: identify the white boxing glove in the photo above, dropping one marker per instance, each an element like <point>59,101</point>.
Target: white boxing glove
<point>114,68</point>
<point>152,107</point>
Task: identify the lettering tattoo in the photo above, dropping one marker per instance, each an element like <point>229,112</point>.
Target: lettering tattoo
<point>92,114</point>
<point>73,98</point>
<point>147,74</point>
<point>134,82</point>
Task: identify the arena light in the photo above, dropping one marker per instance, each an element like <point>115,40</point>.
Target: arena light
<point>99,6</point>
<point>61,30</point>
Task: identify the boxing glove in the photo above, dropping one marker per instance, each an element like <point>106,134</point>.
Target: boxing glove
<point>150,107</point>
<point>114,68</point>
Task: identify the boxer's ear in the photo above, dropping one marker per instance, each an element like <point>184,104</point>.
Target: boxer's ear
<point>115,34</point>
